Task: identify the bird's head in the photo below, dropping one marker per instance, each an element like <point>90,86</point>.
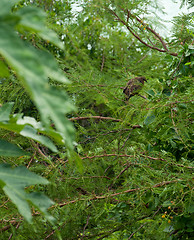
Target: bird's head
<point>141,79</point>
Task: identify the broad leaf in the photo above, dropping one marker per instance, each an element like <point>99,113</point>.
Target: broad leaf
<point>6,6</point>
<point>9,149</point>
<point>14,183</point>
<point>5,111</point>
<point>27,127</point>
<point>34,68</point>
<point>33,19</point>
<point>4,71</point>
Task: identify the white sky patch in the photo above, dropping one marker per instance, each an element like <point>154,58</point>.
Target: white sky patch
<point>172,9</point>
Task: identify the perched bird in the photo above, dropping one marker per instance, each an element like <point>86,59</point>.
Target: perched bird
<point>134,86</point>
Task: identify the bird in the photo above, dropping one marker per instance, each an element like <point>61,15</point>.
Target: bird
<point>133,87</point>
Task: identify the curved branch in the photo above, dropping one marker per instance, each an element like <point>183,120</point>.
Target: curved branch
<point>138,37</point>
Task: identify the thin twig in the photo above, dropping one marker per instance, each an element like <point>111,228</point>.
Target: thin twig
<point>155,33</point>
<point>142,58</point>
<point>104,134</point>
<point>172,75</point>
<point>37,148</point>
<point>87,222</point>
<point>169,104</point>
<point>95,117</point>
<point>102,65</point>
<point>107,155</point>
<point>50,234</point>
<point>11,235</point>
<point>77,178</point>
<point>164,160</point>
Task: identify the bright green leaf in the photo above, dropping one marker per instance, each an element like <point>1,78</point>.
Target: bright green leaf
<point>4,71</point>
<point>151,92</point>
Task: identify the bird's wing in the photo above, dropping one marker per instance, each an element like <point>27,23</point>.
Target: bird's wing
<point>133,87</point>
<point>127,89</point>
<point>136,88</point>
<point>130,83</point>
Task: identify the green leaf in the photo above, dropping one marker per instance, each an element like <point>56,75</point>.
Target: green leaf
<point>34,73</point>
<point>4,71</point>
<point>6,6</point>
<point>150,119</point>
<point>30,132</point>
<point>33,19</point>
<point>74,157</point>
<point>15,181</point>
<point>28,127</point>
<point>168,229</point>
<point>42,202</point>
<point>151,92</point>
<point>166,92</point>
<point>9,149</point>
<point>5,111</point>
<point>145,221</point>
<point>189,207</point>
<point>167,203</point>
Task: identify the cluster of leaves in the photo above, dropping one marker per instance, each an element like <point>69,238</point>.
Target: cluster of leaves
<point>135,180</point>
<point>33,68</point>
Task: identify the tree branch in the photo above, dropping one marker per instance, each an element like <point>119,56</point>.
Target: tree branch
<point>119,193</point>
<point>138,37</point>
<point>102,118</point>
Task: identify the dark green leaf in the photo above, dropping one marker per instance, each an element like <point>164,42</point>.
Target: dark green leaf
<point>9,149</point>
<point>16,180</point>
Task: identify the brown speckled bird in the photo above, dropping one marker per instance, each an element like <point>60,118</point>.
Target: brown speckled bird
<point>134,86</point>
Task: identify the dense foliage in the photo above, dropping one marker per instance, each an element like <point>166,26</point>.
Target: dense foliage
<point>126,172</point>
